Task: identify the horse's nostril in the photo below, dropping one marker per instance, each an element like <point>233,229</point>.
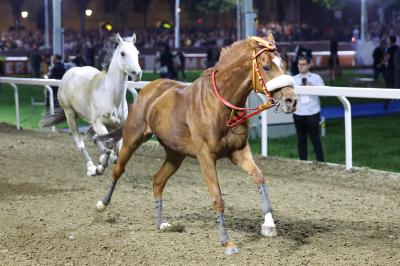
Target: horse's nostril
<point>288,101</point>
<point>133,72</point>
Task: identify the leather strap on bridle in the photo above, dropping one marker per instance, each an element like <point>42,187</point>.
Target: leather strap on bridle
<point>257,76</point>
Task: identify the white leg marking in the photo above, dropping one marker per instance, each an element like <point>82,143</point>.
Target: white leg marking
<point>100,207</point>
<point>113,158</point>
<point>268,228</point>
<point>278,62</point>
<point>91,168</point>
<point>164,226</point>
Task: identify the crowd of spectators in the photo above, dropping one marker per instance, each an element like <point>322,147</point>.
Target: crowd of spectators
<point>155,38</point>
<point>21,40</point>
<point>288,32</point>
<point>94,46</point>
<point>146,38</point>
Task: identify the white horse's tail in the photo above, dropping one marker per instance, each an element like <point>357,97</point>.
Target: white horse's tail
<point>112,137</point>
<point>49,119</point>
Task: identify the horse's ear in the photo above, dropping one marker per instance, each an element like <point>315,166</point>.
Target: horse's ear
<point>134,38</point>
<point>118,38</point>
<point>270,37</point>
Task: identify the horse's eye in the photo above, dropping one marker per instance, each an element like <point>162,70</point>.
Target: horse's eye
<point>267,68</point>
<point>122,53</point>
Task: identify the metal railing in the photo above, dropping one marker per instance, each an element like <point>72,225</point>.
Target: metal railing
<point>340,92</point>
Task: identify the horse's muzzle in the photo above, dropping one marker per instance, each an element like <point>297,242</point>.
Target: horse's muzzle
<point>289,104</point>
<point>136,76</point>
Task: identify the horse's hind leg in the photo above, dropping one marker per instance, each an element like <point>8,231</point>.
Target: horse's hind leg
<point>100,129</point>
<point>129,146</point>
<point>171,164</point>
<point>245,160</point>
<point>115,152</point>
<point>70,114</point>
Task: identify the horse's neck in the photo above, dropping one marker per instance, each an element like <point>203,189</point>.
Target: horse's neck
<point>115,82</point>
<point>234,84</point>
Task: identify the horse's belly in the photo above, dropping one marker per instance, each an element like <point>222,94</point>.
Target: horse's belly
<point>167,121</point>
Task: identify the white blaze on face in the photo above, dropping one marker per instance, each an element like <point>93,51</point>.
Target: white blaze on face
<point>278,62</point>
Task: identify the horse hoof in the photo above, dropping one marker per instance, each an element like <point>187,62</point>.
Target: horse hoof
<point>100,207</point>
<point>164,226</point>
<point>230,249</point>
<point>269,231</point>
<point>91,172</point>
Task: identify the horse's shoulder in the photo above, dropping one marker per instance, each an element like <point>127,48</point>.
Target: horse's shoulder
<point>100,75</point>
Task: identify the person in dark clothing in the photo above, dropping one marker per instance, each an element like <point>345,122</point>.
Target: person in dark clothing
<point>78,60</point>
<point>210,62</point>
<point>57,71</point>
<point>389,58</point>
<point>334,63</point>
<point>379,60</point>
<point>36,62</point>
<point>180,63</point>
<point>307,116</point>
<point>167,69</point>
<point>397,69</point>
<point>390,68</point>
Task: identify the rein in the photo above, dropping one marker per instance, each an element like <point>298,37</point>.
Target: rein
<point>243,115</point>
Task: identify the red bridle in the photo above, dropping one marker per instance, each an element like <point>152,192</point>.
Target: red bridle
<point>242,115</point>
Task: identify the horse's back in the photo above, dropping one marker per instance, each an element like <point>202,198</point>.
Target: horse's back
<point>75,88</point>
<point>160,93</point>
<point>160,86</point>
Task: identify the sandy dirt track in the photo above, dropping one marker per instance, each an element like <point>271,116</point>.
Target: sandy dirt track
<point>324,214</point>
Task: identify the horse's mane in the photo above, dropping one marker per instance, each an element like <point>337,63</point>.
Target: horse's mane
<point>229,52</point>
<point>107,53</point>
<point>234,50</point>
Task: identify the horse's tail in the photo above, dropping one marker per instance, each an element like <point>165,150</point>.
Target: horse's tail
<point>112,136</point>
<point>49,119</point>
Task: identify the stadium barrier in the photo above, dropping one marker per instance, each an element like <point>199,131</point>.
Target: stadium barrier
<point>340,92</point>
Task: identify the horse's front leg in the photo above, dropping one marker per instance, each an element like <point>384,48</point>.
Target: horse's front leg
<point>245,160</point>
<point>208,169</point>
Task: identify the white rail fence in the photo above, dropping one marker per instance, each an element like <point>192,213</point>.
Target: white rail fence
<point>340,92</point>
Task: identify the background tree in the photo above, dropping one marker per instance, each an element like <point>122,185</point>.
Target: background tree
<point>332,4</point>
<point>142,7</point>
<point>214,8</point>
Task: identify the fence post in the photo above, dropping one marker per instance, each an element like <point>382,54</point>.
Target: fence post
<point>347,130</point>
<point>51,101</point>
<point>16,97</point>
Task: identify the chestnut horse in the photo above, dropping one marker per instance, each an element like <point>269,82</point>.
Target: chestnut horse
<point>191,120</point>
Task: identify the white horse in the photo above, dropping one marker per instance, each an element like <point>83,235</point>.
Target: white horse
<point>98,97</point>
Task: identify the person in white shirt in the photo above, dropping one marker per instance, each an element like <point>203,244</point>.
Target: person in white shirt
<point>307,116</point>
